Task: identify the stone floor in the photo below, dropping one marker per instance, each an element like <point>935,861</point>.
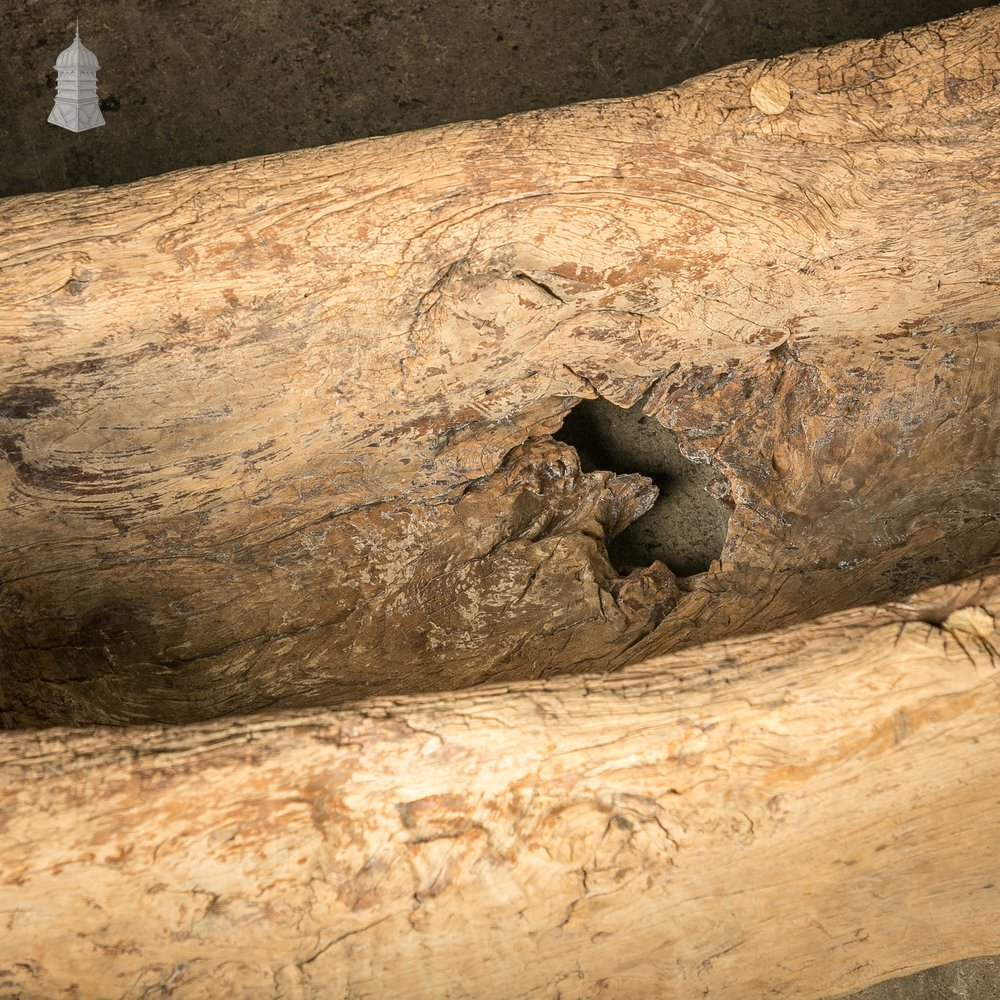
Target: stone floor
<point>973,979</point>
<point>187,82</point>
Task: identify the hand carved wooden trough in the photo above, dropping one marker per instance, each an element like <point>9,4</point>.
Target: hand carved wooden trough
<point>290,436</point>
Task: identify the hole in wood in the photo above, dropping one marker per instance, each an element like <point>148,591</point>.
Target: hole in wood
<point>686,526</point>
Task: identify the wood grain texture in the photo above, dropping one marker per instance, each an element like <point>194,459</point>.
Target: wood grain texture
<point>791,815</point>
<point>277,433</point>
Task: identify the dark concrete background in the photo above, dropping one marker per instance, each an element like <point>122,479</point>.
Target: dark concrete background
<point>188,82</point>
<point>973,979</point>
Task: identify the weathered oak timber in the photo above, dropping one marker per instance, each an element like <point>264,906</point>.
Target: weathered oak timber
<point>773,816</point>
<point>276,433</point>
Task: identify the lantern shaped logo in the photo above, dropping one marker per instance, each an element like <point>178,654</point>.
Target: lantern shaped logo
<point>76,106</point>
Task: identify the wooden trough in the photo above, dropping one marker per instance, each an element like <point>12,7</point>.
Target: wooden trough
<point>321,676</point>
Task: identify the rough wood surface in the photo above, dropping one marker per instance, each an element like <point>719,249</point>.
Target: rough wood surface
<point>792,815</point>
<point>276,433</point>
